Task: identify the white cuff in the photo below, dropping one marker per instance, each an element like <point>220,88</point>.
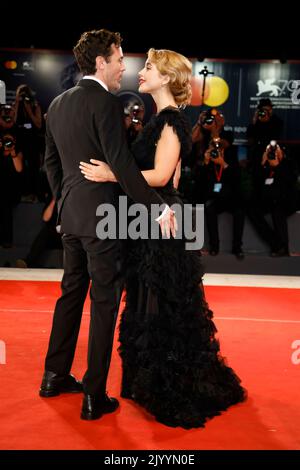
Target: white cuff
<point>165,211</point>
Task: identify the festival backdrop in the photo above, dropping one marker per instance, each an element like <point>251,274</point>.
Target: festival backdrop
<point>234,87</point>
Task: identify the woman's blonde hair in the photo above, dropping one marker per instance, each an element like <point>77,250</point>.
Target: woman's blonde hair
<point>179,70</point>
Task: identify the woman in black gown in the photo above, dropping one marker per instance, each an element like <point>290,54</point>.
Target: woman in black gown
<point>170,355</point>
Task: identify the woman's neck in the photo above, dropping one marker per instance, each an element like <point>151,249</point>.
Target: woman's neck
<point>164,100</point>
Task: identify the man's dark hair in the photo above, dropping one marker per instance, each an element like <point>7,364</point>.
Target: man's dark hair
<point>92,44</point>
<point>24,88</point>
<point>264,102</point>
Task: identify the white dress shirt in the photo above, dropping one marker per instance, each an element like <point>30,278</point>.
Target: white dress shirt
<point>92,77</point>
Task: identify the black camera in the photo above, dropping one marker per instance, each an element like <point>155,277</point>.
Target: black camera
<point>271,154</point>
<point>8,142</point>
<point>214,153</point>
<point>26,97</point>
<point>207,118</point>
<point>6,118</point>
<point>262,113</point>
<point>5,111</point>
<point>135,112</point>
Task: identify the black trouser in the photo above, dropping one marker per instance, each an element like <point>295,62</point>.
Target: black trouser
<point>216,206</point>
<point>87,258</point>
<point>276,237</point>
<point>6,221</point>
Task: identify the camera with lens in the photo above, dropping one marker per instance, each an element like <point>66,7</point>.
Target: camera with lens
<point>264,108</point>
<point>271,153</point>
<point>8,142</point>
<point>262,113</point>
<point>6,118</point>
<point>26,97</point>
<point>136,109</point>
<point>208,117</point>
<point>5,112</point>
<point>215,151</point>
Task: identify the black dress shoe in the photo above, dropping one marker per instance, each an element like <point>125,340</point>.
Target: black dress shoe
<point>94,408</point>
<point>54,384</point>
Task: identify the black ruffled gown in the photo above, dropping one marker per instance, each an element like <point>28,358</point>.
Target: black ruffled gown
<point>170,356</point>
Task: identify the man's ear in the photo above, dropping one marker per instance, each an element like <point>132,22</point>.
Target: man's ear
<point>100,62</point>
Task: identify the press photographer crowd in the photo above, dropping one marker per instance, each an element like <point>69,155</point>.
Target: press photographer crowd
<point>259,180</point>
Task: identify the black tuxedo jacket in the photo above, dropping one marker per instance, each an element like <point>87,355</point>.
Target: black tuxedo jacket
<point>82,123</point>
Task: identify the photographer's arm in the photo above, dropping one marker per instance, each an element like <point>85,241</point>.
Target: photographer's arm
<point>48,212</point>
<point>34,114</point>
<point>218,161</point>
<point>221,160</point>
<point>17,160</point>
<point>279,154</point>
<point>207,158</point>
<point>166,159</point>
<point>197,135</point>
<point>16,107</point>
<point>14,153</point>
<point>255,117</point>
<point>264,158</point>
<point>197,131</point>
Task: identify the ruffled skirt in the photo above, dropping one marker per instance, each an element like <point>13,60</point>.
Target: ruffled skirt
<point>171,361</point>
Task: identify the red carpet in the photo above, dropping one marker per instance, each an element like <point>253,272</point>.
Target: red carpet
<point>256,327</point>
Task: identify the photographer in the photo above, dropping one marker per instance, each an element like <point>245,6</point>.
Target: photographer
<point>276,195</point>
<point>47,238</point>
<point>7,117</point>
<point>265,126</point>
<point>209,125</point>
<point>133,118</point>
<point>11,165</point>
<point>29,121</point>
<point>217,178</point>
<point>221,180</point>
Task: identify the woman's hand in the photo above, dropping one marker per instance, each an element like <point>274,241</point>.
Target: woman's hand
<point>97,171</point>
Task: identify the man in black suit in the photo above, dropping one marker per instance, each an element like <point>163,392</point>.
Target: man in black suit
<point>86,121</point>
